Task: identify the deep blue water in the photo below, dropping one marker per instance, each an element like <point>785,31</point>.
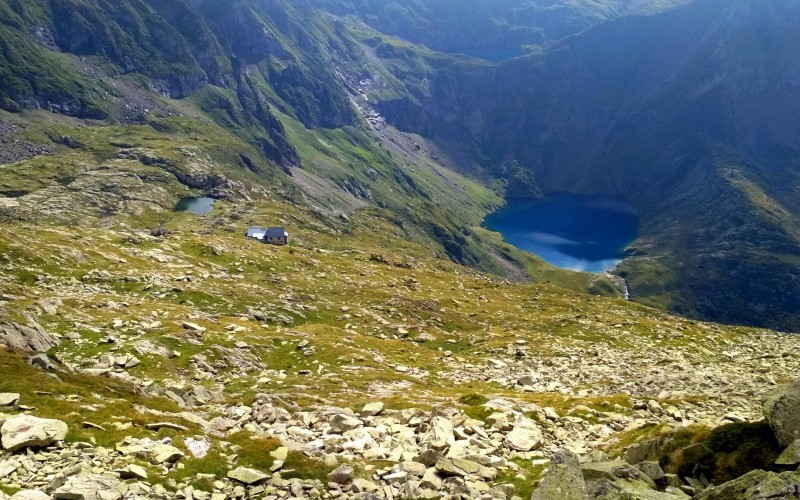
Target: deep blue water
<point>197,206</point>
<point>492,55</point>
<point>582,233</point>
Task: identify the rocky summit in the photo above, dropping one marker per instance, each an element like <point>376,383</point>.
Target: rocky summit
<point>337,322</point>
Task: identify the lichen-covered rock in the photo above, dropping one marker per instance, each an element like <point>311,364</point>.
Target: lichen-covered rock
<point>782,411</point>
<point>563,480</point>
<point>756,484</point>
<point>791,455</point>
<point>25,431</point>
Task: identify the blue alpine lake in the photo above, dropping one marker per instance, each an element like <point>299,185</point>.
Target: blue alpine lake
<point>577,232</point>
<point>197,206</point>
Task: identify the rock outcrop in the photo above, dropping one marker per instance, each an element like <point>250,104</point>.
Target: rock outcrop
<point>26,338</point>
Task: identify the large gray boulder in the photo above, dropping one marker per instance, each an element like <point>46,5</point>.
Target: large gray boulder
<point>782,411</point>
<point>25,431</point>
<point>563,480</point>
<point>26,338</point>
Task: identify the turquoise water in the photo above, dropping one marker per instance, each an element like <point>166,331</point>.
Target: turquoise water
<point>197,206</point>
<point>581,233</point>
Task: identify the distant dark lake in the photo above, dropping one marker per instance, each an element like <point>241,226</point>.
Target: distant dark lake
<point>197,206</point>
<point>581,233</point>
<point>491,55</point>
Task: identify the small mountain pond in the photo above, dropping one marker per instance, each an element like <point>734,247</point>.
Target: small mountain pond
<point>196,206</point>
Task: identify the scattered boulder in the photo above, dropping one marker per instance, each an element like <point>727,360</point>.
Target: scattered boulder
<point>247,476</point>
<point>194,327</point>
<point>162,453</point>
<point>782,411</point>
<point>372,409</point>
<point>25,431</point>
<point>652,470</point>
<point>342,423</point>
<point>133,471</point>
<point>26,338</point>
<point>563,480</point>
<point>460,467</point>
<point>341,475</point>
<point>441,433</point>
<point>524,438</point>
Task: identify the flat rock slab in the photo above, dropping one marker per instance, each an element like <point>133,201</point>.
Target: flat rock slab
<point>602,470</point>
<point>461,467</point>
<point>25,431</point>
<point>90,487</point>
<point>247,476</point>
<point>372,409</point>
